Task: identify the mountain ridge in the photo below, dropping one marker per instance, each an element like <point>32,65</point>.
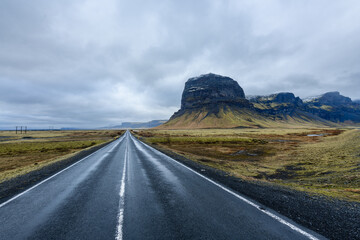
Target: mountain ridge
<point>150,124</point>
<point>215,101</point>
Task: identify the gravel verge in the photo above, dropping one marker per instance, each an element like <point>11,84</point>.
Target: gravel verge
<point>332,218</point>
<point>18,184</point>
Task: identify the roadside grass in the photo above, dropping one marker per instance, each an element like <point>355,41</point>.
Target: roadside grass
<point>330,167</point>
<point>317,160</point>
<point>20,154</point>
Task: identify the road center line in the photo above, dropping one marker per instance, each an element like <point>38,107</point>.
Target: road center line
<point>119,232</point>
<point>272,215</point>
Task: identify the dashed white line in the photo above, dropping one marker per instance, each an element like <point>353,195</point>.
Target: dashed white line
<point>119,232</point>
<point>274,216</point>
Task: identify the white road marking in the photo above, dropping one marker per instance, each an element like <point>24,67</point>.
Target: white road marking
<point>279,219</point>
<point>47,179</point>
<point>119,232</point>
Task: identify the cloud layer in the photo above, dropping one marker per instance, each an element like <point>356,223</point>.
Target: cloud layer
<point>90,63</point>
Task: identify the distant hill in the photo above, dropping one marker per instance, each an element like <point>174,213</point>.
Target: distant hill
<point>330,106</point>
<point>334,107</point>
<point>214,101</point>
<point>151,124</point>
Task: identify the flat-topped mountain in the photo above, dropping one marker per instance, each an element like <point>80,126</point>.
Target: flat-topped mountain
<point>209,101</point>
<point>214,101</point>
<point>211,89</point>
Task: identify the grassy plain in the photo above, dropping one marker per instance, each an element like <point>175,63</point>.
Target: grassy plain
<point>22,153</point>
<point>316,160</point>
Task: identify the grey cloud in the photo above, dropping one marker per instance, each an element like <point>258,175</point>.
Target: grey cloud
<point>93,63</point>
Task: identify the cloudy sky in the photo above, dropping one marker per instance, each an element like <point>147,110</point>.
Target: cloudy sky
<point>92,63</point>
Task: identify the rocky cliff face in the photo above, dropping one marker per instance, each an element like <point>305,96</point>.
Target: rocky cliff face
<point>210,90</point>
<point>208,99</point>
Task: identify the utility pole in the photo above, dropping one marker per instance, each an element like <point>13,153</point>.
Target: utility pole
<point>16,129</point>
<point>25,129</point>
<point>21,129</point>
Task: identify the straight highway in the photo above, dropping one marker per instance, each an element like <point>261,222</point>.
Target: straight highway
<point>128,190</point>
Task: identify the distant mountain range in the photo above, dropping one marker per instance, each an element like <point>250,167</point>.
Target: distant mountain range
<point>214,101</point>
<point>150,124</point>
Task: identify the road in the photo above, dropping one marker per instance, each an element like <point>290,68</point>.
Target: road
<point>128,190</point>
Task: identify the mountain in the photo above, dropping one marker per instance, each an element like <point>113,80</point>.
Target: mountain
<point>211,90</point>
<point>214,101</point>
<point>150,124</point>
<point>284,103</point>
<point>330,98</point>
<point>208,101</point>
<point>333,107</point>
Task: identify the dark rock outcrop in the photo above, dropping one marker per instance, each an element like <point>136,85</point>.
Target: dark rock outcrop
<point>211,90</point>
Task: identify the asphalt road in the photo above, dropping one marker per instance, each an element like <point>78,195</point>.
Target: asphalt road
<point>128,190</point>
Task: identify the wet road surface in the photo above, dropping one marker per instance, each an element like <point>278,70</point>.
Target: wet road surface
<point>128,190</point>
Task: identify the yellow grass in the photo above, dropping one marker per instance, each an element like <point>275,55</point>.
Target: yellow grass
<point>23,153</point>
<point>240,117</point>
<point>328,164</point>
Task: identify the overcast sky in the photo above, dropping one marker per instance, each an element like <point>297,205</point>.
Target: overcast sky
<point>93,63</point>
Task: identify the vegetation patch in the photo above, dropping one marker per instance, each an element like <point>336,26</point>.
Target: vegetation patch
<point>20,154</point>
<point>319,160</point>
